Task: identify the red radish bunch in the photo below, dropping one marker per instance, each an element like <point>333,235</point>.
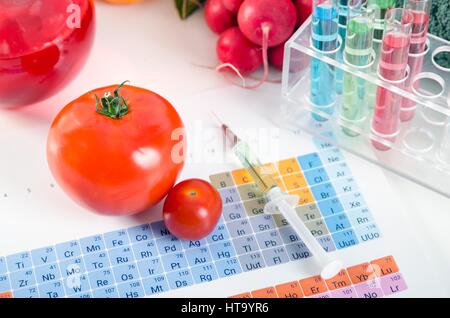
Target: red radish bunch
<point>253,32</point>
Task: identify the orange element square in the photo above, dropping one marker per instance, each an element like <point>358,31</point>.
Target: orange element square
<point>269,168</point>
<point>288,166</point>
<point>359,273</point>
<point>289,290</point>
<point>341,280</point>
<point>280,183</point>
<point>242,176</point>
<point>313,285</point>
<point>384,266</point>
<point>243,295</point>
<point>305,196</point>
<point>6,295</point>
<point>294,181</point>
<point>268,292</point>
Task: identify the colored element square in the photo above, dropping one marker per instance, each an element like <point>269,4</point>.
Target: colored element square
<point>150,267</point>
<point>360,273</point>
<point>246,244</point>
<point>330,207</point>
<point>155,285</point>
<point>108,292</point>
<point>198,256</point>
<point>168,244</point>
<point>47,273</point>
<point>294,181</point>
<point>77,284</point>
<point>268,292</point>
<point>145,250</point>
<point>309,161</point>
<point>174,261</point>
<point>19,261</point>
<point>232,212</point>
<point>344,239</point>
<point>140,233</point>
<point>393,284</point>
<point>187,245</point>
<point>239,228</point>
<point>92,244</point>
<point>6,295</point>
<point>327,243</point>
<point>249,191</point>
<point>297,251</point>
<point>116,238</point>
<point>241,176</point>
<point>369,289</point>
<point>344,186</point>
<point>101,279</point>
<point>280,183</point>
<point>22,279</point>
<point>384,266</point>
<point>341,280</point>
<point>221,180</point>
<point>229,196</point>
<point>255,207</point>
<point>4,283</point>
<point>228,267</point>
<point>159,229</point>
<point>252,261</point>
<point>26,293</point>
<point>262,222</point>
<point>316,176</point>
<point>305,196</point>
<point>289,290</point>
<point>131,290</point>
<point>288,235</point>
<point>203,274</point>
<point>354,200</point>
<point>180,279</point>
<point>317,228</point>
<point>275,256</point>
<point>121,255</point>
<point>42,256</point>
<point>313,285</point>
<point>71,267</point>
<point>222,250</point>
<point>288,166</point>
<point>368,232</point>
<point>338,222</point>
<point>219,234</point>
<point>279,220</point>
<point>126,273</point>
<point>269,239</point>
<point>347,292</point>
<point>309,212</point>
<point>52,290</point>
<point>331,156</point>
<point>243,295</point>
<point>338,171</point>
<point>360,217</point>
<point>323,191</point>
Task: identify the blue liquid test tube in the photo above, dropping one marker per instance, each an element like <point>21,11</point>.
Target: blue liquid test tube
<point>324,40</point>
<point>342,30</point>
<point>359,55</point>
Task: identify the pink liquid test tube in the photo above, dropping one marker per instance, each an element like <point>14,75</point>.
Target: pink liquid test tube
<point>392,69</point>
<point>420,10</point>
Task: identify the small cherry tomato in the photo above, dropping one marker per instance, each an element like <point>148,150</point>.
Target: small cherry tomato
<point>192,209</point>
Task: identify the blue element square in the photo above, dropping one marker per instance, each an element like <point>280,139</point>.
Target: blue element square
<point>47,273</point>
<point>145,250</point>
<point>159,229</point>
<point>3,268</point>
<point>252,261</point>
<point>352,201</point>
<point>345,185</point>
<point>92,244</point>
<point>169,244</point>
<point>43,256</point>
<point>316,176</point>
<point>344,239</point>
<point>26,293</point>
<point>220,233</point>
<point>52,290</point>
<point>97,261</point>
<point>126,273</point>
<point>101,279</point>
<point>19,261</point>
<point>297,251</point>
<point>368,232</point>
<point>22,279</point>
<point>180,279</point>
<point>150,267</point>
<point>187,245</point>
<point>121,255</point>
<point>4,283</point>
<point>140,233</point>
<point>232,212</point>
<point>275,256</point>
<point>68,250</point>
<point>339,171</point>
<point>323,191</point>
<point>155,285</point>
<point>117,238</point>
<point>198,256</point>
<point>174,261</point>
<point>72,267</point>
<point>337,222</point>
<point>262,222</point>
<point>77,284</point>
<point>269,239</point>
<point>322,144</point>
<point>222,250</point>
<point>330,207</point>
<point>245,244</point>
<point>288,234</point>
<point>309,161</point>
<point>331,156</point>
<point>228,267</point>
<point>240,228</point>
<point>229,195</point>
<point>360,217</point>
<point>82,295</point>
<point>131,290</point>
<point>327,243</point>
<point>108,292</point>
<point>203,274</point>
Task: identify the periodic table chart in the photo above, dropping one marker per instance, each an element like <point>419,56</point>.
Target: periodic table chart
<point>49,247</point>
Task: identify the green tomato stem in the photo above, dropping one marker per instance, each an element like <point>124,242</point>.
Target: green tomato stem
<point>113,106</point>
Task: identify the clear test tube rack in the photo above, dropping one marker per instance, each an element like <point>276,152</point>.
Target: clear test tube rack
<point>421,150</point>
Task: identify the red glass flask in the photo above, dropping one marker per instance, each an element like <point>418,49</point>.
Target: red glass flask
<point>43,46</point>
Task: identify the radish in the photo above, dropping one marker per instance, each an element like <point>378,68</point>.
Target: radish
<point>276,55</point>
<point>218,17</point>
<point>304,9</point>
<point>237,52</point>
<point>232,5</point>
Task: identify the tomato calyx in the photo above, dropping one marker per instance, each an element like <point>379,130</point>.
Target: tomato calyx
<point>113,106</point>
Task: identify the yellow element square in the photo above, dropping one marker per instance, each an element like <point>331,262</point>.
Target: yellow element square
<point>280,183</point>
<point>242,176</point>
<point>305,196</point>
<point>288,166</point>
<point>294,181</point>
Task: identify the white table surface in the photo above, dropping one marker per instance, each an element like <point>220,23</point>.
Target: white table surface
<point>148,44</point>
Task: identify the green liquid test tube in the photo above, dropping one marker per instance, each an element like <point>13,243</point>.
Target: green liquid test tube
<point>358,54</point>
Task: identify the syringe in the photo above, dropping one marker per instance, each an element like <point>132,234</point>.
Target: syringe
<point>280,202</point>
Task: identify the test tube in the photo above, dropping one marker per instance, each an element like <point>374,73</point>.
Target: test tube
<point>392,69</point>
<point>324,40</point>
<point>420,10</point>
<point>342,30</point>
<point>359,55</point>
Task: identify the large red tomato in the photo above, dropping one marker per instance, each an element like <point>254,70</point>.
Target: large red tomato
<point>192,209</point>
<point>120,159</point>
